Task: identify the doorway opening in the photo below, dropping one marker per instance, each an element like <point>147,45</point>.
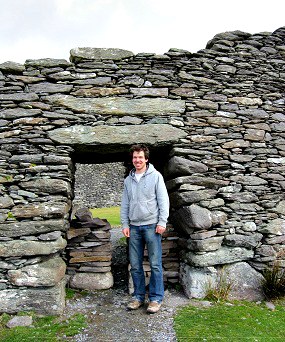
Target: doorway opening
<point>98,183</point>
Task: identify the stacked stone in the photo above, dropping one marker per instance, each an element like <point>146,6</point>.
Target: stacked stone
<point>215,119</point>
<point>91,182</point>
<point>171,246</point>
<point>89,253</point>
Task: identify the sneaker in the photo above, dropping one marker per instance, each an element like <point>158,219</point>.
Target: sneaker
<point>134,304</point>
<point>153,307</point>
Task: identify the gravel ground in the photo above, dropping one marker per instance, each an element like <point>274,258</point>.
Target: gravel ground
<point>106,313</point>
<point>109,320</point>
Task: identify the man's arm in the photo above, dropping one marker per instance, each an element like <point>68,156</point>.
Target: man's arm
<point>163,205</point>
<point>124,213</point>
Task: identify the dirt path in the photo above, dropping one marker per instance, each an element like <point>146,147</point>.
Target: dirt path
<point>106,313</point>
<point>108,319</point>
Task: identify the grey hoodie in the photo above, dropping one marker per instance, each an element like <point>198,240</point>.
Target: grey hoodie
<point>146,201</point>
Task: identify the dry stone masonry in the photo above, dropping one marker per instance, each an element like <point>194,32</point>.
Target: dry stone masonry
<point>215,117</point>
<point>89,253</point>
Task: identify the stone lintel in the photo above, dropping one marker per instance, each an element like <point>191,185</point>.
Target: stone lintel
<point>119,106</point>
<point>151,134</point>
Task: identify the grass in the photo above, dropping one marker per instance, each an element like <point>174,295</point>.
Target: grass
<point>111,214</point>
<point>48,328</point>
<point>274,280</point>
<point>235,322</point>
<point>220,290</point>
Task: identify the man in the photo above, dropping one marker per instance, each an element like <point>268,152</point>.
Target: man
<point>144,213</point>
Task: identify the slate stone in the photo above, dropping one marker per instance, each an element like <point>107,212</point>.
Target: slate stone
<point>119,105</point>
<point>18,113</point>
<point>46,273</point>
<point>275,227</point>
<point>178,166</point>
<point>224,255</point>
<point>246,282</point>
<point>43,301</point>
<point>247,241</point>
<point>178,199</point>
<point>12,67</point>
<point>47,63</point>
<point>205,245</point>
<point>51,88</point>
<point>92,281</point>
<point>20,321</point>
<point>45,210</point>
<point>121,135</point>
<point>78,54</point>
<point>18,248</point>
<point>48,185</point>
<point>6,202</point>
<point>18,97</point>
<point>22,228</point>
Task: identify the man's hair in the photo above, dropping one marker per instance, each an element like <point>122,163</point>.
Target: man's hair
<point>138,148</point>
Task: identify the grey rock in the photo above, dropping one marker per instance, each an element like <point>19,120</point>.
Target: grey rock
<point>47,210</point>
<point>119,105</point>
<point>196,280</point>
<point>20,321</point>
<point>178,199</point>
<point>276,227</point>
<point>246,282</point>
<point>50,88</point>
<point>121,135</point>
<point>178,166</point>
<point>19,97</point>
<point>78,54</point>
<point>12,67</point>
<point>43,301</point>
<point>46,273</point>
<point>247,241</point>
<point>47,63</point>
<point>6,202</point>
<point>23,228</point>
<point>16,113</point>
<point>48,185</point>
<point>224,255</point>
<point>205,245</point>
<point>18,248</point>
<point>92,281</point>
<point>199,218</point>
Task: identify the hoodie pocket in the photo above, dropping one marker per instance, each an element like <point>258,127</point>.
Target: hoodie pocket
<point>143,211</point>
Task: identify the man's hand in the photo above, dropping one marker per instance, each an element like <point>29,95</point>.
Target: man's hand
<point>126,232</point>
<point>160,229</point>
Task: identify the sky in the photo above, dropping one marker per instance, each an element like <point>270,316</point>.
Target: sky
<point>34,29</point>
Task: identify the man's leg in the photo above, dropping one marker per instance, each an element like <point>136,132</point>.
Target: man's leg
<point>153,242</point>
<point>136,253</point>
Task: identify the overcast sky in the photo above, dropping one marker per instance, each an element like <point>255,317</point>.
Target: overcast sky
<point>32,29</point>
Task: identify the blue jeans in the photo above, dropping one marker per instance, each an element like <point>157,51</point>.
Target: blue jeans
<point>139,237</point>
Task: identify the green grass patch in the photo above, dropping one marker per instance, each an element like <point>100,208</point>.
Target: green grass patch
<point>111,214</point>
<point>230,322</point>
<point>48,328</point>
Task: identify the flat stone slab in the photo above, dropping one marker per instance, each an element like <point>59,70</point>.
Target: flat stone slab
<point>77,54</point>
<point>120,135</point>
<point>119,105</point>
<point>43,301</point>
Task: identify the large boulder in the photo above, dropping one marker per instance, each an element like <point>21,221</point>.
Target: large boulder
<point>92,281</point>
<point>41,300</point>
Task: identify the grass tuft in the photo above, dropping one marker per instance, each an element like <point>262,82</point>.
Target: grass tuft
<point>274,281</point>
<point>218,291</point>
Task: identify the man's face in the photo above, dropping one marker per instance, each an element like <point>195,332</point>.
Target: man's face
<point>139,161</point>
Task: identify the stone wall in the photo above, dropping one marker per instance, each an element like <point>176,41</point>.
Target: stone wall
<point>98,185</point>
<point>220,114</point>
